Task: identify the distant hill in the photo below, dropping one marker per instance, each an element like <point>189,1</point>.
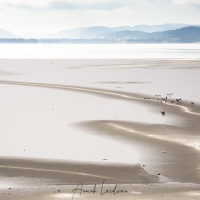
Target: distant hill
<point>6,34</point>
<point>103,32</point>
<point>158,28</point>
<point>84,33</point>
<point>121,34</point>
<point>186,34</point>
<point>125,35</point>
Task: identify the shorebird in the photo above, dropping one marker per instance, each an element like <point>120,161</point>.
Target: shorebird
<point>170,94</point>
<point>192,103</point>
<point>164,99</point>
<point>163,113</point>
<point>178,100</point>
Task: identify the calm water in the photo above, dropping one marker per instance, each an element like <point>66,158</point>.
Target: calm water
<point>59,51</point>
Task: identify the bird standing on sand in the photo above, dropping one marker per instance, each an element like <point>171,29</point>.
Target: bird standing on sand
<point>163,113</point>
<point>164,99</point>
<point>178,100</point>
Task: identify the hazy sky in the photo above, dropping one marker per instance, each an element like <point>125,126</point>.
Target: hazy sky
<point>55,15</point>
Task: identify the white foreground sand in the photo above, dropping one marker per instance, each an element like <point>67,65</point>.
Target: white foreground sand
<point>69,121</point>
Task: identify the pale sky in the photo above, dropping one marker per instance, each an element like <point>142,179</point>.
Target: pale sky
<point>51,16</point>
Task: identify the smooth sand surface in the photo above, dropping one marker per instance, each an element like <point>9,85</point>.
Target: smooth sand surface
<point>167,166</point>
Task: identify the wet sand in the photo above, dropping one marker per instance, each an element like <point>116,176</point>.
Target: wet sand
<point>168,162</point>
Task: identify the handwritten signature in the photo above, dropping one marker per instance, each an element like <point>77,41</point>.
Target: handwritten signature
<point>80,189</point>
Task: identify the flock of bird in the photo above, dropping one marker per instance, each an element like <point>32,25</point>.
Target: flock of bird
<point>164,99</point>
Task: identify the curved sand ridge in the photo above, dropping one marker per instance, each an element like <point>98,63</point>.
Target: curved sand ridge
<point>187,113</point>
<point>165,149</point>
<point>107,93</point>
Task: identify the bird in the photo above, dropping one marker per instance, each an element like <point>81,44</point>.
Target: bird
<point>170,94</point>
<point>164,99</point>
<point>192,103</point>
<point>178,100</point>
<point>163,113</point>
<point>146,98</point>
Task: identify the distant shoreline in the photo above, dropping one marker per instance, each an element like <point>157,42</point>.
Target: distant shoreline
<point>87,41</point>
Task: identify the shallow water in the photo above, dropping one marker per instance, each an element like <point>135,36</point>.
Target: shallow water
<point>58,51</point>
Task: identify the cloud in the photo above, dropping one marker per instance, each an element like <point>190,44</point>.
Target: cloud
<point>22,4</point>
<point>89,5</point>
<point>67,4</point>
<point>86,4</point>
<point>186,2</point>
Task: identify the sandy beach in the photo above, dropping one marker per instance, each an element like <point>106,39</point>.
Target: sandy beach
<point>70,124</point>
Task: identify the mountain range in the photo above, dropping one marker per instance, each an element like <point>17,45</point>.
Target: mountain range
<point>169,33</point>
<point>186,34</point>
<point>103,32</point>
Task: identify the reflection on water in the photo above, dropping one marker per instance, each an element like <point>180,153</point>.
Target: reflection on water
<point>100,51</point>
